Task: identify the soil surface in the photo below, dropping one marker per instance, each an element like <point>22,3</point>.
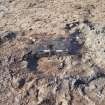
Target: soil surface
<point>28,28</point>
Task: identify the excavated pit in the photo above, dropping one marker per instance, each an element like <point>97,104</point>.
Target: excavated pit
<point>30,76</point>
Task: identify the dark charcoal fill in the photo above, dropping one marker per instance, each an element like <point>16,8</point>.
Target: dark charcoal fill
<point>10,35</point>
<point>67,46</point>
<point>21,83</point>
<point>72,43</point>
<point>79,82</point>
<point>32,61</point>
<point>7,36</point>
<point>53,45</point>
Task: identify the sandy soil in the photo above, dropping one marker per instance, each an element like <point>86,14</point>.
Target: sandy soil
<point>32,21</point>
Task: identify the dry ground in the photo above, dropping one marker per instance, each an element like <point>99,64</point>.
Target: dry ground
<point>43,19</point>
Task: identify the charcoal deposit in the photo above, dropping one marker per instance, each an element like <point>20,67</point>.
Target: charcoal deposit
<point>71,45</point>
<point>54,71</point>
<point>7,36</point>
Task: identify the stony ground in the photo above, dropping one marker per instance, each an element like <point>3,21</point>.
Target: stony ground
<point>54,80</point>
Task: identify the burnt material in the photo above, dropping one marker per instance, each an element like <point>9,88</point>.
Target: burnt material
<point>70,45</point>
<point>79,82</point>
<point>32,61</point>
<point>82,82</point>
<point>7,36</point>
<point>74,46</point>
<point>61,46</point>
